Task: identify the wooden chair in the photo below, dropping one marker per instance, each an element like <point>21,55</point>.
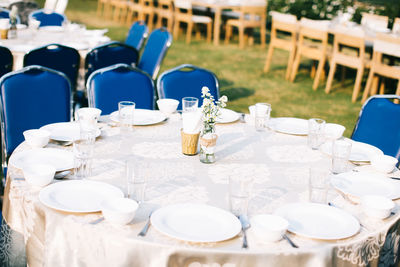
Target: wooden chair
<point>183,13</point>
<point>165,10</point>
<point>313,44</point>
<point>120,10</point>
<point>375,21</point>
<point>287,24</point>
<point>139,11</point>
<point>251,15</point>
<point>348,51</point>
<point>396,26</point>
<point>383,45</point>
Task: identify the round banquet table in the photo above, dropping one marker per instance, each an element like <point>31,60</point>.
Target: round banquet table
<point>278,162</point>
<point>72,35</point>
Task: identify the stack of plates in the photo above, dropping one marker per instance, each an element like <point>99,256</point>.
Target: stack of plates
<point>65,131</point>
<point>196,223</point>
<point>293,126</point>
<point>319,221</point>
<point>360,152</point>
<point>359,184</point>
<point>78,195</point>
<point>59,158</point>
<point>142,117</point>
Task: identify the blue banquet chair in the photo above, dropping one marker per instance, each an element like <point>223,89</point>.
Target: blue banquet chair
<point>30,98</point>
<point>137,34</point>
<point>5,14</point>
<point>6,60</point>
<point>109,54</point>
<point>154,51</point>
<point>61,58</point>
<point>379,124</point>
<point>121,82</point>
<point>186,80</point>
<point>48,18</point>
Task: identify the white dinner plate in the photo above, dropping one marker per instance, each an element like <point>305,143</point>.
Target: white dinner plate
<point>358,184</point>
<point>285,125</point>
<point>142,117</point>
<point>59,158</point>
<point>78,195</point>
<point>65,131</point>
<point>52,28</point>
<point>196,223</point>
<point>319,221</point>
<point>360,152</point>
<point>227,116</point>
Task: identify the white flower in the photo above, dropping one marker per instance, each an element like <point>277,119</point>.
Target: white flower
<point>204,90</point>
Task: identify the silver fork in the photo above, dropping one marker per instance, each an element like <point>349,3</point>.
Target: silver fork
<point>146,227</point>
<point>245,225</point>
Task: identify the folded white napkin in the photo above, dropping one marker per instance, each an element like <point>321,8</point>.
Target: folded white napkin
<point>191,121</point>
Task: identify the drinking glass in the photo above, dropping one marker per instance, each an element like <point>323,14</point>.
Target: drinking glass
<point>263,111</point>
<point>136,176</point>
<point>126,111</point>
<point>190,104</point>
<point>341,150</point>
<point>83,154</point>
<point>316,133</point>
<point>239,194</point>
<point>318,185</point>
<point>87,118</point>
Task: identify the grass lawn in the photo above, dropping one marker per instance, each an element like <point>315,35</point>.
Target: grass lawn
<point>241,77</point>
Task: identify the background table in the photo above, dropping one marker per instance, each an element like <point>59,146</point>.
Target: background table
<point>279,164</point>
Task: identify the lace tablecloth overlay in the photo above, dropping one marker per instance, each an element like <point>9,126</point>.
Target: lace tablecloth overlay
<point>278,163</point>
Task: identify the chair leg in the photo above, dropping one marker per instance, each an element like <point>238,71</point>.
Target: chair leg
<point>289,67</point>
<point>176,29</point>
<point>151,21</point>
<point>296,64</point>
<point>209,32</point>
<point>241,37</point>
<point>375,83</point>
<point>382,87</point>
<point>332,70</point>
<point>269,58</point>
<point>263,33</point>
<point>169,24</point>
<point>197,32</point>
<point>189,32</point>
<point>317,77</point>
<point>357,84</point>
<point>368,85</point>
<point>313,70</point>
<point>228,33</point>
<point>99,7</point>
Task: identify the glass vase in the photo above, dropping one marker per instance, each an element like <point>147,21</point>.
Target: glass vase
<point>208,141</point>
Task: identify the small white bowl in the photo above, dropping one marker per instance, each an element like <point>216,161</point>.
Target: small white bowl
<point>334,131</point>
<point>383,163</point>
<point>377,206</point>
<point>268,228</point>
<point>167,105</point>
<point>119,210</point>
<point>39,174</point>
<point>37,137</point>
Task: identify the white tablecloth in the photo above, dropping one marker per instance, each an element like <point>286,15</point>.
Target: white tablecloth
<point>278,162</point>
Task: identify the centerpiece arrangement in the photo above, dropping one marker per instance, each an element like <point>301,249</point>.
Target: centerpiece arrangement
<point>211,109</point>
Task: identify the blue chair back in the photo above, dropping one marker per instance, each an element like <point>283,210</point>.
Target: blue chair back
<point>120,82</point>
<point>6,60</point>
<point>48,18</point>
<point>137,34</point>
<point>379,124</point>
<point>110,54</point>
<point>186,80</point>
<point>58,57</point>
<point>30,98</point>
<point>5,14</point>
<point>154,51</point>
